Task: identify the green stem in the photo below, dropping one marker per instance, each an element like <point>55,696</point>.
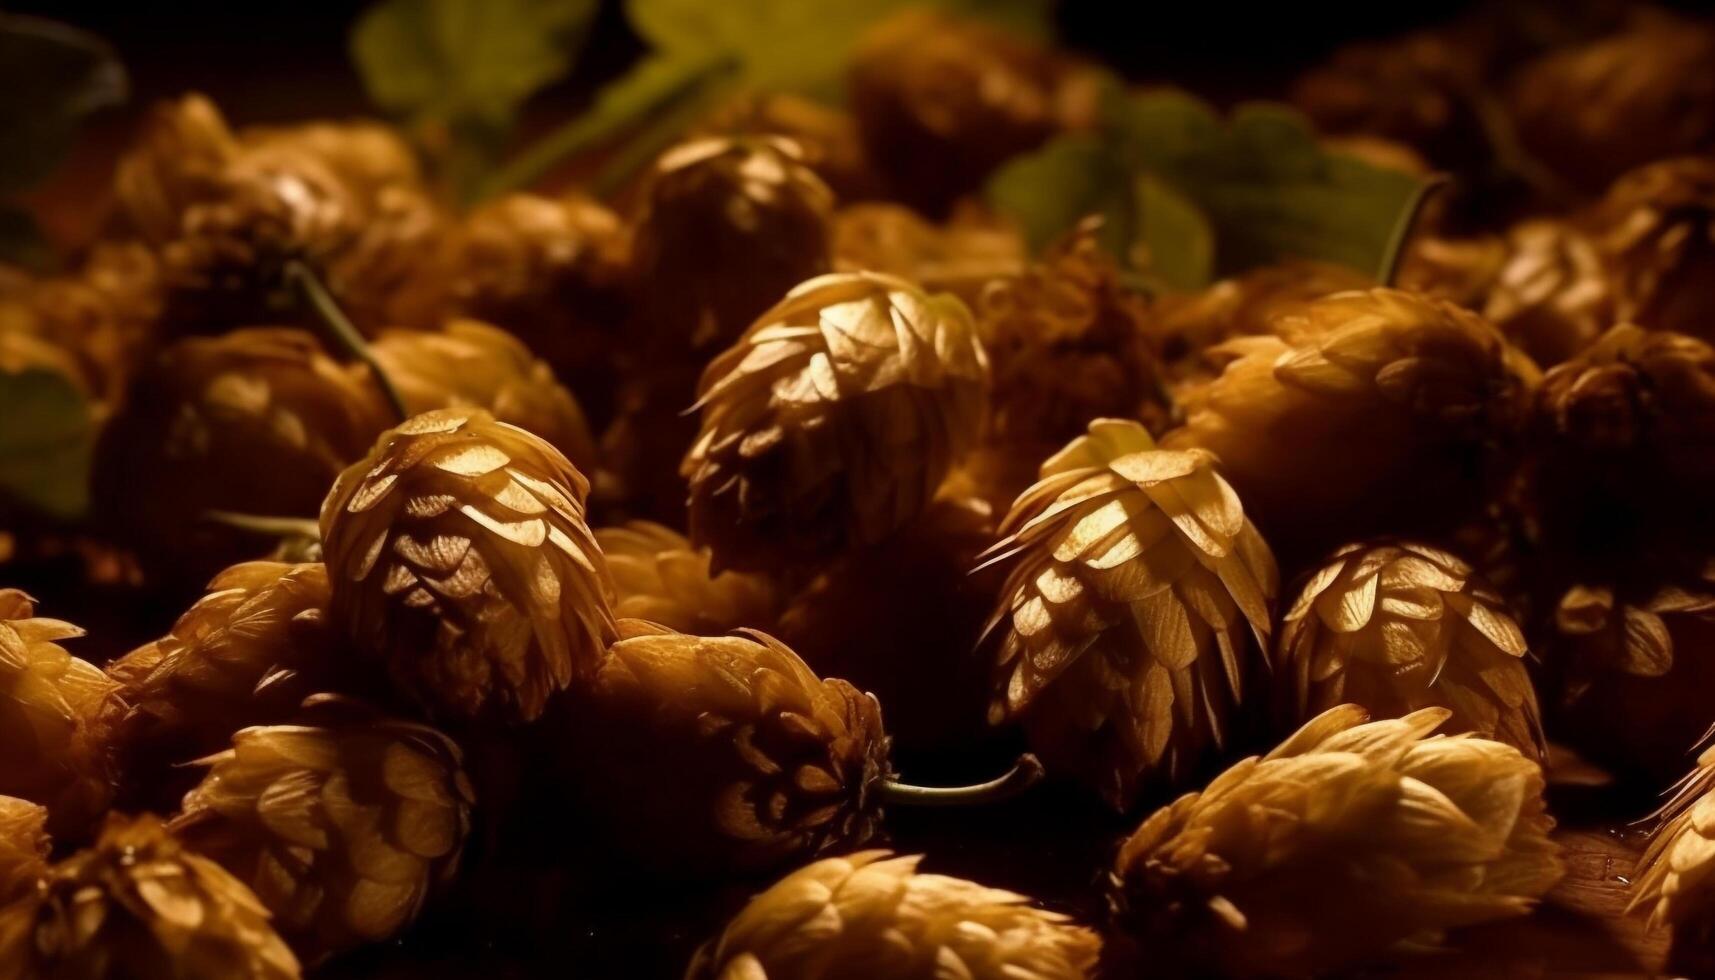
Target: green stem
<point>277,527</point>
<point>1394,254</point>
<point>1024,774</point>
<point>655,137</point>
<point>601,122</point>
<point>342,331</point>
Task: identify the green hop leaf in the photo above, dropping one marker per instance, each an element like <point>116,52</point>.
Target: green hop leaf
<point>52,78</point>
<point>47,436</point>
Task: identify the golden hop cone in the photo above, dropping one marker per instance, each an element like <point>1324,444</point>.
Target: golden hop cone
<point>138,904</point>
<point>727,227</point>
<point>831,422</point>
<point>1417,89</point>
<point>368,157</point>
<point>1068,343</point>
<point>1381,408</point>
<point>107,313</point>
<point>24,847</point>
<point>1346,840</point>
<point>1552,296</point>
<point>257,421</point>
<point>551,271</point>
<point>660,577</point>
<point>1656,229</point>
<point>899,619</point>
<point>1633,666</point>
<point>1395,628</point>
<point>343,832</point>
<point>54,714</point>
<point>1650,82</point>
<point>178,160</point>
<point>1460,270</point>
<point>248,653</point>
<point>941,101</point>
<point>470,364</point>
<point>958,257</point>
<point>1184,326</point>
<point>460,559</point>
<point>1672,881</point>
<point>870,914</point>
<point>1125,629</point>
<point>827,136</point>
<point>716,755</point>
<point>376,272</point>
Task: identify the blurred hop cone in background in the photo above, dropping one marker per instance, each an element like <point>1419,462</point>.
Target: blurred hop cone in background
<point>660,577</point>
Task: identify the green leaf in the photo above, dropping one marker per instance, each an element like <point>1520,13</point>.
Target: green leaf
<point>52,78</point>
<point>47,436</point>
<point>1051,190</point>
<point>466,62</point>
<point>1174,236</point>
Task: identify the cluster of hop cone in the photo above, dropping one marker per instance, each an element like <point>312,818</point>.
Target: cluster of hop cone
<point>1333,560</point>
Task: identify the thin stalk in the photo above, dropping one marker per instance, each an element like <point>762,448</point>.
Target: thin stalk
<point>1394,254</point>
<point>278,527</point>
<point>317,297</point>
<point>1024,774</point>
<point>600,123</point>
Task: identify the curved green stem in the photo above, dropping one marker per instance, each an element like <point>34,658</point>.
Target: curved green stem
<point>1025,773</point>
<point>1394,254</point>
<point>317,297</point>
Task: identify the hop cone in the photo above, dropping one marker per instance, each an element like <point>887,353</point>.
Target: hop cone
<point>460,559</point>
<point>1551,296</point>
<point>1633,666</point>
<point>941,101</point>
<point>1656,228</point>
<point>137,904</point>
<point>344,832</point>
<point>1068,343</point>
<point>960,257</point>
<point>832,421</point>
<point>710,755</point>
<point>1124,631</point>
<point>1380,411</point>
<point>1396,628</point>
<point>375,274</point>
<point>872,915</point>
<point>727,227</point>
<point>1415,89</point>
<point>106,313</point>
<point>367,157</point>
<point>23,848</point>
<point>54,714</point>
<point>469,364</point>
<point>826,136</point>
<point>1672,881</point>
<point>1347,839</point>
<point>247,653</point>
<point>258,421</point>
<point>177,161</point>
<point>1650,82</point>
<point>660,577</point>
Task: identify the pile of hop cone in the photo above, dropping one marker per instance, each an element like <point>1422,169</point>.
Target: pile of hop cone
<point>638,586</point>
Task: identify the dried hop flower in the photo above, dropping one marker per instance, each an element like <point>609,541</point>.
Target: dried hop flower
<point>873,915</point>
<point>137,904</point>
<point>832,421</point>
<point>827,136</point>
<point>178,159</point>
<point>958,257</point>
<point>727,227</point>
<point>248,653</point>
<point>470,364</point>
<point>258,421</point>
<point>1672,881</point>
<point>1552,295</point>
<point>24,847</point>
<point>1380,410</point>
<point>369,157</point>
<point>1656,228</point>
<point>1184,326</point>
<point>1398,627</point>
<point>460,558</point>
<point>54,713</point>
<point>1346,840</point>
<point>1068,343</point>
<point>710,755</point>
<point>1125,629</point>
<point>660,577</point>
<point>343,831</point>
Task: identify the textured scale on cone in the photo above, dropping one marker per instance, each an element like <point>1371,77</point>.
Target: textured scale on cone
<point>660,577</point>
<point>344,831</point>
<point>871,914</point>
<point>1345,841</point>
<point>1672,882</point>
<point>1138,599</point>
<point>832,421</point>
<point>1380,408</point>
<point>470,364</point>
<point>460,559</point>
<point>1187,327</point>
<point>138,904</point>
<point>248,653</point>
<point>1656,230</point>
<point>769,763</point>
<point>24,847</point>
<point>1398,627</point>
<point>55,710</point>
